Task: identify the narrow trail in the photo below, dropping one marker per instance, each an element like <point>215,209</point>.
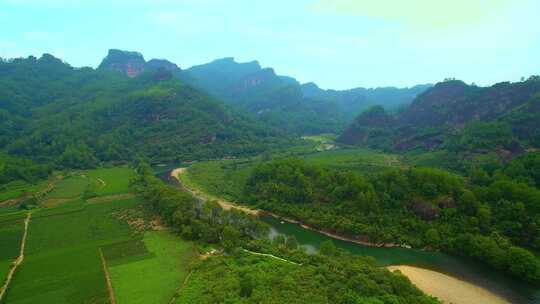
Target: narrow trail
<point>102,182</point>
<point>19,259</point>
<point>271,256</point>
<point>184,283</point>
<point>112,298</point>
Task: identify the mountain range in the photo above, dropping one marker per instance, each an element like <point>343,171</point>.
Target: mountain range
<point>278,100</point>
<point>458,118</point>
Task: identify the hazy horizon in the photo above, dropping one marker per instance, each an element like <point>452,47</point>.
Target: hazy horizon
<point>337,44</point>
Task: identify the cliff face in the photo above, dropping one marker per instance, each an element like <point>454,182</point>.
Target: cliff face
<point>130,63</point>
<point>133,64</point>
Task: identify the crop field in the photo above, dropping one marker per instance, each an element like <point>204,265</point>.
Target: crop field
<point>69,187</point>
<point>17,188</point>
<point>151,270</point>
<point>11,231</point>
<point>68,233</point>
<point>62,262</point>
<point>107,181</point>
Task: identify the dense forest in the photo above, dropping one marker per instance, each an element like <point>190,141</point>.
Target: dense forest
<point>489,217</point>
<point>332,276</point>
<point>66,117</point>
<point>464,124</point>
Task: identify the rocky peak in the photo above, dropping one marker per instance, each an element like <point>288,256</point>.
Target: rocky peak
<point>130,63</point>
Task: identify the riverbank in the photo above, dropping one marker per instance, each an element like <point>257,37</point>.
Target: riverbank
<point>227,205</point>
<point>448,289</point>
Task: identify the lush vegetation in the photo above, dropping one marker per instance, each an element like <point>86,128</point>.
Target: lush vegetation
<point>334,277</point>
<point>62,250</point>
<point>18,169</point>
<point>86,213</point>
<point>283,102</point>
<point>152,271</point>
<point>456,124</point>
<point>246,276</point>
<point>78,118</point>
<point>492,218</point>
<point>207,223</point>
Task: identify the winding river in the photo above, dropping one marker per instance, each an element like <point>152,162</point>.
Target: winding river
<point>511,290</point>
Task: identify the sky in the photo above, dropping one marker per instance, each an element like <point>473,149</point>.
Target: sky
<point>337,44</point>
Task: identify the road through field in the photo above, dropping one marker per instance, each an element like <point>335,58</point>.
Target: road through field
<point>19,259</point>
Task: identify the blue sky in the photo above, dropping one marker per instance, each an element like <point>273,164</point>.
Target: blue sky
<point>335,43</point>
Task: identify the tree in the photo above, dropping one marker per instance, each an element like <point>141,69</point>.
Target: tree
<point>328,248</point>
<point>291,243</point>
<point>231,237</point>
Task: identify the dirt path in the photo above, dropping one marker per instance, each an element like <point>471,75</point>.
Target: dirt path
<point>448,289</point>
<point>19,259</point>
<point>184,283</point>
<point>226,205</point>
<point>102,182</point>
<point>107,278</point>
<point>271,256</point>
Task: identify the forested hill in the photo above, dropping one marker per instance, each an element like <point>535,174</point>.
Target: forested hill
<point>279,100</point>
<point>69,117</point>
<point>457,118</point>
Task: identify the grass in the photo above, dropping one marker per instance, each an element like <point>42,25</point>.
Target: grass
<point>107,181</point>
<point>156,278</point>
<point>225,179</point>
<point>322,138</point>
<point>18,188</point>
<point>363,161</point>
<point>11,232</point>
<point>69,187</point>
<point>62,262</point>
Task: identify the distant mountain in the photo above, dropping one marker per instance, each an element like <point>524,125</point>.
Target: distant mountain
<point>457,117</point>
<point>283,101</point>
<point>133,64</point>
<point>280,101</point>
<point>70,117</point>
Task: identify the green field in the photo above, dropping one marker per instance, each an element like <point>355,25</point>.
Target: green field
<point>66,234</point>
<point>156,276</point>
<point>363,161</point>
<point>17,188</point>
<point>69,187</point>
<point>63,253</point>
<point>107,181</point>
<point>11,231</point>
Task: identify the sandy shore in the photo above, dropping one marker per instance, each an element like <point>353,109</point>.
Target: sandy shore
<point>448,289</point>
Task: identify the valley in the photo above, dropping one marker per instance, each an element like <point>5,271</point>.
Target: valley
<point>447,275</point>
<point>146,182</point>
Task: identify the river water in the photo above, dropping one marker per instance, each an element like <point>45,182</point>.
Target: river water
<point>513,290</point>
